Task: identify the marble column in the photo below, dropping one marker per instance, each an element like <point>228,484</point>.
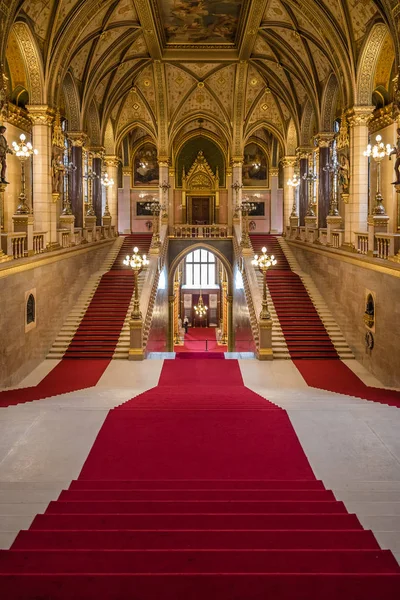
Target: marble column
<point>289,192</point>
<point>111,163</point>
<point>273,182</point>
<point>324,188</point>
<point>45,210</point>
<point>356,214</point>
<point>230,197</point>
<point>388,176</point>
<point>303,154</point>
<point>77,139</point>
<point>97,191</point>
<point>124,201</point>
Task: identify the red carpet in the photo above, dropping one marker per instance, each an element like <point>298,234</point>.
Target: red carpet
<point>335,376</point>
<point>98,332</point>
<point>200,339</point>
<point>197,489</point>
<point>60,380</point>
<point>304,332</point>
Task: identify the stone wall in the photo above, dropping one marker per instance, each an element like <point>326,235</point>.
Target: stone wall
<point>56,283</point>
<point>344,287</point>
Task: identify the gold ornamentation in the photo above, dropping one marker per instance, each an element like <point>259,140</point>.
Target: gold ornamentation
<point>58,135</point>
<point>40,114</point>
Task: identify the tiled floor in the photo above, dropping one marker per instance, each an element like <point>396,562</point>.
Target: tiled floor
<point>353,445</point>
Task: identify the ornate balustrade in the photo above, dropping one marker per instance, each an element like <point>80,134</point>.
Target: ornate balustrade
<point>200,231</point>
<point>388,244</point>
<point>64,238</point>
<point>361,242</point>
<point>39,242</point>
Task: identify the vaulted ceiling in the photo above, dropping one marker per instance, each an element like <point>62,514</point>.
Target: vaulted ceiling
<point>241,67</point>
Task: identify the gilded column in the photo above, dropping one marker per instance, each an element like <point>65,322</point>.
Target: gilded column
<point>111,163</point>
<point>45,210</point>
<point>231,342</point>
<point>273,177</point>
<point>324,188</point>
<point>303,154</point>
<point>171,204</point>
<point>236,187</point>
<point>224,303</point>
<point>77,139</point>
<point>356,213</point>
<point>164,188</point>
<point>171,302</point>
<point>230,197</point>
<point>288,163</point>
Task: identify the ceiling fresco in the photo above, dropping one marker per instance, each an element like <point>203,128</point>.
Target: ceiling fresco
<point>200,21</point>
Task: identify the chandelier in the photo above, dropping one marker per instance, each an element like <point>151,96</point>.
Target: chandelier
<point>200,309</point>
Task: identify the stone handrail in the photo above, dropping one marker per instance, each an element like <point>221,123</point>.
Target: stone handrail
<point>388,244</point>
<point>200,231</point>
<point>361,242</point>
<point>15,244</point>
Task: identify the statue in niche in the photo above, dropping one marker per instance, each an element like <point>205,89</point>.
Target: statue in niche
<point>396,151</point>
<point>4,150</point>
<point>344,173</point>
<point>57,171</point>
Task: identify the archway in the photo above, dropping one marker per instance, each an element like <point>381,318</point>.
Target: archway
<point>207,262</point>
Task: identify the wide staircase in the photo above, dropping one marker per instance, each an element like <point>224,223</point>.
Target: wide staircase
<point>299,313</point>
<point>93,328</point>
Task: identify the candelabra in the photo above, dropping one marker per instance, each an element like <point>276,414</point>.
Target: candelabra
<point>200,308</point>
<point>137,263</point>
<point>23,150</point>
<point>264,262</point>
<point>69,168</point>
<point>164,186</point>
<point>107,182</point>
<point>245,208</point>
<point>311,178</point>
<point>333,169</point>
<point>236,188</point>
<point>154,206</point>
<point>90,177</point>
<point>294,183</point>
<point>378,152</point>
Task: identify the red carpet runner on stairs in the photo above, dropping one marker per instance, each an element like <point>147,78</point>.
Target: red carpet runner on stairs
<point>97,335</point>
<point>98,332</point>
<point>194,490</point>
<point>304,332</point>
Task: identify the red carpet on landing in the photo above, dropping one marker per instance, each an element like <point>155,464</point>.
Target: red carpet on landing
<point>200,339</point>
<point>197,489</point>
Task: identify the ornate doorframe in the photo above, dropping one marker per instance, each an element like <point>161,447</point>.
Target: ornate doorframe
<point>200,181</point>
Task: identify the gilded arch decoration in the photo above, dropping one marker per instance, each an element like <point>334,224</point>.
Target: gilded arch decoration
<point>33,62</point>
<point>71,103</point>
<point>367,64</point>
<point>329,104</point>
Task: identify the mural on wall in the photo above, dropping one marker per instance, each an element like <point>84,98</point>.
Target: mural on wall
<point>201,21</point>
<point>254,170</point>
<point>145,166</point>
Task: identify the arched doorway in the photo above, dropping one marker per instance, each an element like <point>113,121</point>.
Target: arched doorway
<point>200,269</point>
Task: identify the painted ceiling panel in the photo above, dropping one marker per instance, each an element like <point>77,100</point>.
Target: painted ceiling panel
<point>124,11</point>
<point>178,84</point>
<point>223,83</point>
<point>39,11</point>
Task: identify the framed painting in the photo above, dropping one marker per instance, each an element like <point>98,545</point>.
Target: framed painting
<point>254,170</point>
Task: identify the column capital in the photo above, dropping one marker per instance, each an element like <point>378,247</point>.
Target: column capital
<point>110,160</point>
<point>163,161</point>
<point>237,161</point>
<point>324,139</point>
<point>126,171</point>
<point>359,115</point>
<point>96,151</point>
<point>41,114</point>
<point>274,171</point>
<point>288,161</point>
<point>303,151</point>
<point>77,138</point>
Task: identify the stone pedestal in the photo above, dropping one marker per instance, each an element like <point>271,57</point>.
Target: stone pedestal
<point>332,222</point>
<point>136,339</point>
<point>265,340</point>
<point>68,222</point>
<point>90,224</point>
<point>376,224</point>
<point>106,222</point>
<point>24,224</point>
<point>311,229</point>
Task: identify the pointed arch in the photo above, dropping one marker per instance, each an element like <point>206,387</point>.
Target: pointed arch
<point>367,64</point>
<point>109,139</point>
<point>33,62</point>
<point>94,125</point>
<point>307,124</point>
<point>291,139</point>
<point>329,103</point>
<point>72,104</point>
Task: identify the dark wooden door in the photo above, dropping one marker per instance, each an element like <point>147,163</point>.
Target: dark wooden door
<point>200,211</point>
